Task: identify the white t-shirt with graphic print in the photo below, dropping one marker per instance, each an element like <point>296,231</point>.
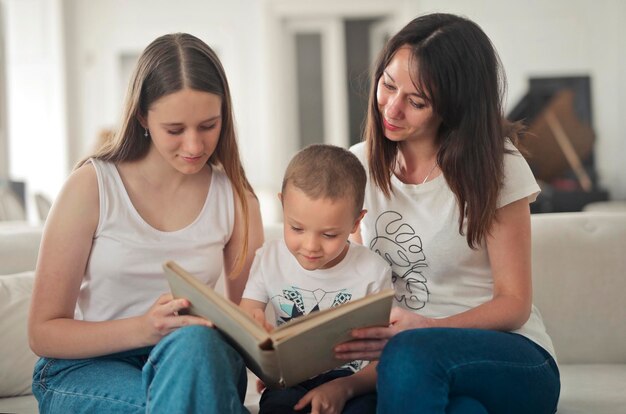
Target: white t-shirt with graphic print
<point>435,272</point>
<point>277,277</point>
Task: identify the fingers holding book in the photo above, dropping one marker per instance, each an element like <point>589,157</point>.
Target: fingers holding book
<point>166,315</point>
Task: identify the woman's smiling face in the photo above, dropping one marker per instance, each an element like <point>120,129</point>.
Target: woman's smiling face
<point>407,114</point>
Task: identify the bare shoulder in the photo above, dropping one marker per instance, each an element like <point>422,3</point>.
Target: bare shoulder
<point>83,185</point>
<point>251,198</point>
<point>254,209</point>
<point>78,202</point>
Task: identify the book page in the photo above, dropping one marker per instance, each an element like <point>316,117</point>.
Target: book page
<point>307,349</point>
<point>306,322</point>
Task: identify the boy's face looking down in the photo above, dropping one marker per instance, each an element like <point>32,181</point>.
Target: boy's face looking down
<point>316,231</point>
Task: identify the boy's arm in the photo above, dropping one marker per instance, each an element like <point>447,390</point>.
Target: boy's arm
<point>335,393</point>
<point>256,309</point>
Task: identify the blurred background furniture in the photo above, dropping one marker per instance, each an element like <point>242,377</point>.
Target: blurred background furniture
<point>608,206</point>
<point>12,200</point>
<point>43,205</point>
<point>579,281</point>
<point>560,142</point>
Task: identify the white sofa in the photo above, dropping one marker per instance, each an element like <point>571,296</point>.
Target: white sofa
<point>579,273</point>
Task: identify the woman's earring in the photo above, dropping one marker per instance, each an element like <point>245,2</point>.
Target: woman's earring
<point>145,134</point>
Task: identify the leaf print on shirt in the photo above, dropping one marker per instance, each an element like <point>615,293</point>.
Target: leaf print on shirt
<point>401,247</point>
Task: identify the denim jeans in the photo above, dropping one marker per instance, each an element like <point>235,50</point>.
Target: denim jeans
<point>468,371</point>
<point>191,370</point>
<point>281,401</point>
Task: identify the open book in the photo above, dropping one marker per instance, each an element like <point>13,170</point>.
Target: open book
<point>293,352</point>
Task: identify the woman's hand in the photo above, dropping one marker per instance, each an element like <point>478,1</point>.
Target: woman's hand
<point>368,343</point>
<point>163,317</point>
<point>328,398</point>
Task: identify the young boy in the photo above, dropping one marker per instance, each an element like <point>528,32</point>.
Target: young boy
<point>315,267</point>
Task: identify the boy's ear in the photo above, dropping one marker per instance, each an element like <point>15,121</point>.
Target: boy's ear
<point>280,197</point>
<point>357,222</point>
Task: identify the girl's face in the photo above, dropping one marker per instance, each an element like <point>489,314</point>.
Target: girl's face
<point>407,115</point>
<point>184,127</point>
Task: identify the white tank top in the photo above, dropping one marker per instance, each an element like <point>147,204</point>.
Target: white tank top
<point>124,276</point>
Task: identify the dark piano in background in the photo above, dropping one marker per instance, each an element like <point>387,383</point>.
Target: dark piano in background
<point>559,142</point>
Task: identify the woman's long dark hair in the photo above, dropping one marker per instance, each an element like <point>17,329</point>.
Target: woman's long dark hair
<point>457,68</point>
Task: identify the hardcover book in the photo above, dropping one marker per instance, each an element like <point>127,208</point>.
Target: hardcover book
<point>293,352</point>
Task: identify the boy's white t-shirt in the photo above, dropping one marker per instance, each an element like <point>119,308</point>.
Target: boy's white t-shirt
<point>277,277</point>
<point>435,272</point>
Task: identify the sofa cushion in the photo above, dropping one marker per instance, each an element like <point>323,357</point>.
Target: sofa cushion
<point>19,247</point>
<point>579,284</point>
<point>25,404</point>
<point>17,361</point>
<point>592,388</point>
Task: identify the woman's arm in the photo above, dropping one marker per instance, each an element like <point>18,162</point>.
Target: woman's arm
<point>235,283</point>
<point>63,255</point>
<point>508,246</point>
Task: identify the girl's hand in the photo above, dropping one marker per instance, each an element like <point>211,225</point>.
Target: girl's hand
<point>368,343</point>
<point>163,317</point>
<point>328,398</point>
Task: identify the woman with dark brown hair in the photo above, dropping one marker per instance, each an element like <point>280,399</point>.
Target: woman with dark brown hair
<point>448,207</point>
<point>168,186</point>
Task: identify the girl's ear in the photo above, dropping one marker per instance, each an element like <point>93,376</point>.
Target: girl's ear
<point>142,121</point>
<point>357,222</point>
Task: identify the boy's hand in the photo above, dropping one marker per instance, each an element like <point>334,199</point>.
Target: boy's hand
<point>260,386</point>
<point>329,398</point>
<point>259,316</point>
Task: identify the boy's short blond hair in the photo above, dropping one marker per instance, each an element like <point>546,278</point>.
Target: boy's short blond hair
<point>327,171</point>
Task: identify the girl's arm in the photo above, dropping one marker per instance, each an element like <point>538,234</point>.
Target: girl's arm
<point>235,283</point>
<point>63,255</point>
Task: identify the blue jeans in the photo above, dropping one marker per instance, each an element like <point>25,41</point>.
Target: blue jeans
<point>191,370</point>
<point>468,371</point>
<point>281,401</point>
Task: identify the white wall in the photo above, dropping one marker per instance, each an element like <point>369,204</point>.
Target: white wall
<point>65,83</point>
<point>556,38</point>
<point>4,143</point>
<point>99,31</point>
<point>534,38</point>
<point>35,95</point>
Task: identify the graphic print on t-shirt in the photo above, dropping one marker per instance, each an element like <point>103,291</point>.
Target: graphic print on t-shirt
<point>399,244</point>
<point>295,301</point>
